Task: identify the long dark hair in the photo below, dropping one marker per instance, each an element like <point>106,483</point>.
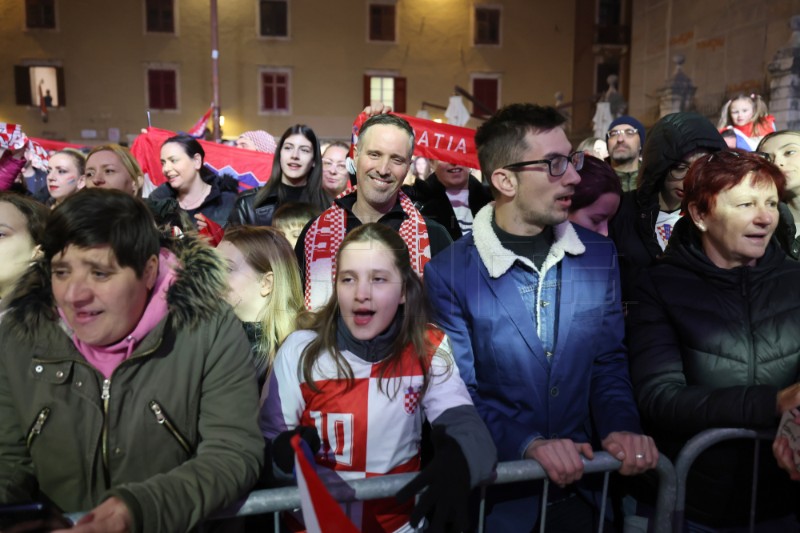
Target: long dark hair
<point>192,147</point>
<point>313,193</point>
<point>414,315</point>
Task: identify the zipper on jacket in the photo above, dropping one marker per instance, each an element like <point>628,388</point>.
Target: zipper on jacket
<point>751,359</point>
<point>105,395</point>
<point>37,426</point>
<point>162,419</point>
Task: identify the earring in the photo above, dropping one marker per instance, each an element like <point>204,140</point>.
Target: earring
<point>701,226</point>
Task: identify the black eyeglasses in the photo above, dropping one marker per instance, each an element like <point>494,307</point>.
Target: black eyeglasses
<point>556,166</point>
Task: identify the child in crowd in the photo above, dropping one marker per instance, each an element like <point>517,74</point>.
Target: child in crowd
<point>291,218</point>
<point>748,117</point>
<point>361,378</point>
<point>265,290</point>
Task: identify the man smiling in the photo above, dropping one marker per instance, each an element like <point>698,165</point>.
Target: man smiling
<point>383,156</point>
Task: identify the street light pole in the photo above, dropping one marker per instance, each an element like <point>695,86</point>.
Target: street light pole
<point>215,70</point>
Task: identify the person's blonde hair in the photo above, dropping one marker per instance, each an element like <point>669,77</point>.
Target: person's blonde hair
<point>266,250</point>
<point>128,161</point>
<point>760,113</point>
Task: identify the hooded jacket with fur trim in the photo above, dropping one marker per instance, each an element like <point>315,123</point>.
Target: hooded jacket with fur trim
<point>173,432</point>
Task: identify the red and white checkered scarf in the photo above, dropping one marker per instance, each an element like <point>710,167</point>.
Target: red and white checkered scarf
<point>326,233</point>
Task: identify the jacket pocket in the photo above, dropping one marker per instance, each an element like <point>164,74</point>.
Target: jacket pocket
<point>36,427</point>
<point>163,420</point>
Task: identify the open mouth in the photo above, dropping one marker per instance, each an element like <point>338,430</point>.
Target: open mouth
<point>362,316</point>
<point>564,199</point>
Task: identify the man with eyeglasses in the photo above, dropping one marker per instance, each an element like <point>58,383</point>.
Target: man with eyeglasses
<point>531,305</point>
<point>625,139</point>
<point>643,224</point>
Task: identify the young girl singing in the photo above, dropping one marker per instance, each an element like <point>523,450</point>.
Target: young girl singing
<point>364,375</point>
<point>748,117</point>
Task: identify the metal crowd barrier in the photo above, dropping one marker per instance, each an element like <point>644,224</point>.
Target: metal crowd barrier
<point>288,498</point>
<point>697,445</point>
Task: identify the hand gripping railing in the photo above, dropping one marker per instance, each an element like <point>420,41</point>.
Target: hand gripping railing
<point>697,445</point>
<point>288,498</point>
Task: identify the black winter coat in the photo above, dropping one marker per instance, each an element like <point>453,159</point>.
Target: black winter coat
<point>633,228</point>
<point>711,348</point>
<point>244,211</point>
<point>216,205</point>
<point>432,201</point>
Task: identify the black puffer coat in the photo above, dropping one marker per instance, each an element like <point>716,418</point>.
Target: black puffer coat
<point>711,348</point>
<point>633,228</point>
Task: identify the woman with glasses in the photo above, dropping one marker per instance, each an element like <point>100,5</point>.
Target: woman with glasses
<point>783,149</point>
<point>714,340</point>
<point>646,216</point>
<point>335,178</point>
<point>296,177</point>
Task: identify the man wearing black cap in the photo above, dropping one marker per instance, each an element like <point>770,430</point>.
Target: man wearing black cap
<point>625,140</point>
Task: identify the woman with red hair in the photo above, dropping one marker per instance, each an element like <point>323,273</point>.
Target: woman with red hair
<point>714,339</point>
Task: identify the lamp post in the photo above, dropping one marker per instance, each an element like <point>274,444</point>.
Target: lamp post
<point>215,71</point>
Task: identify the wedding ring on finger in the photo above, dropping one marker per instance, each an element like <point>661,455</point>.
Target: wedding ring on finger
<point>639,456</point>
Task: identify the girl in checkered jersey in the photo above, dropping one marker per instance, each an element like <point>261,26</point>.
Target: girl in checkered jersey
<point>358,381</point>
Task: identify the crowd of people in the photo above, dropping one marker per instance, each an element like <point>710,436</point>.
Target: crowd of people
<point>400,314</point>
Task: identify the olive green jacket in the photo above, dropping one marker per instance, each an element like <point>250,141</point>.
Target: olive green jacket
<point>173,432</point>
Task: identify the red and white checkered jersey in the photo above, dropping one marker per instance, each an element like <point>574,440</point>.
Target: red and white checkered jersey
<point>364,431</point>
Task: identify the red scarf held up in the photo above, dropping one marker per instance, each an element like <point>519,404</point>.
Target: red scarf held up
<point>443,142</point>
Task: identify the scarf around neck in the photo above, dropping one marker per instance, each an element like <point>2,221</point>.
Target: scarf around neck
<point>325,235</point>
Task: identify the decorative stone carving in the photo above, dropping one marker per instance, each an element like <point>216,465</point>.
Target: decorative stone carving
<point>678,93</point>
<point>784,86</point>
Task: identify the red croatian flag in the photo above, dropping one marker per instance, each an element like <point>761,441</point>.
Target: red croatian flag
<point>321,513</point>
<point>251,168</point>
<point>199,128</point>
<point>433,140</point>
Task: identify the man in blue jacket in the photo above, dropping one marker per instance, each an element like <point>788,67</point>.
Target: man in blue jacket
<point>532,306</point>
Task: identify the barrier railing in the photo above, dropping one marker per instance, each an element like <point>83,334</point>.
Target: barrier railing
<point>288,498</point>
<point>697,445</point>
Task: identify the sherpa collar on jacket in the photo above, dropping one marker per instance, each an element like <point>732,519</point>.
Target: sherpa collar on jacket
<point>498,259</point>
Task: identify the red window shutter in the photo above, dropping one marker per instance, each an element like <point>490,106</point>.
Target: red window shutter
<point>162,89</point>
<point>170,90</point>
<point>485,90</point>
<point>153,94</point>
<point>268,102</point>
<point>400,95</point>
<point>282,98</point>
